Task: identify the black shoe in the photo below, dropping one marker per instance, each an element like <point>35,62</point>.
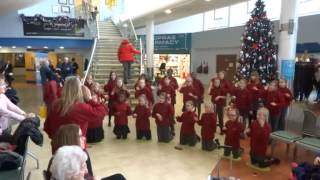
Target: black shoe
<point>124,137</point>
<point>118,137</point>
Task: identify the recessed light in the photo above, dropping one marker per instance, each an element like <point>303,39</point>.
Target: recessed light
<point>168,11</point>
<point>125,25</point>
<point>46,47</point>
<point>0,47</point>
<point>61,47</point>
<point>29,47</point>
<point>207,0</point>
<point>13,47</point>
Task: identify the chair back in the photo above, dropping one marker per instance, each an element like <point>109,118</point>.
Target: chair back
<point>295,119</point>
<point>309,124</point>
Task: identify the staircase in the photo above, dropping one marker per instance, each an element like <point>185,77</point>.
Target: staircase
<point>105,57</point>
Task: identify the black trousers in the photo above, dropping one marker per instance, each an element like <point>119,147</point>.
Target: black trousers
<point>89,165</point>
<point>114,177</point>
<point>282,119</point>
<point>164,134</point>
<point>260,161</point>
<point>208,145</point>
<point>144,133</point>
<point>245,116</point>
<point>219,110</point>
<point>190,140</point>
<point>274,121</point>
<point>235,152</point>
<point>121,131</point>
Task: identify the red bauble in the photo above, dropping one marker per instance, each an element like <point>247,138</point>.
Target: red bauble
<point>254,46</point>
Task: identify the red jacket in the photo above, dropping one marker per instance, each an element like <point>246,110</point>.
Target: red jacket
<point>199,86</point>
<point>189,89</point>
<point>51,92</point>
<point>233,131</point>
<point>218,92</point>
<point>80,114</point>
<point>121,112</point>
<point>287,96</point>
<point>188,119</point>
<point>142,122</point>
<point>168,90</point>
<point>173,83</point>
<point>225,84</point>
<point>110,86</point>
<point>208,122</point>
<point>147,92</point>
<point>273,96</point>
<point>259,138</point>
<point>255,95</point>
<point>126,52</point>
<point>243,100</point>
<point>165,110</point>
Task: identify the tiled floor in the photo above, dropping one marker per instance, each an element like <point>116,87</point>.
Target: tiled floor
<point>150,160</point>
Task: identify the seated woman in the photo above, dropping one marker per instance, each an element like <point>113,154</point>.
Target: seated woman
<point>76,106</point>
<point>9,113</point>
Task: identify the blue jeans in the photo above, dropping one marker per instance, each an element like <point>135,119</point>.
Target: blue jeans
<point>126,71</point>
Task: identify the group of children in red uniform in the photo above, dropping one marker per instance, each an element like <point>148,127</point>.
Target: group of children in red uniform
<point>250,102</point>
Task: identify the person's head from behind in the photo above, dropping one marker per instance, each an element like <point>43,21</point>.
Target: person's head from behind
<point>142,83</point>
<point>73,60</point>
<point>69,163</point>
<point>194,75</point>
<point>162,97</point>
<point>233,114</point>
<point>262,115</point>
<point>170,72</point>
<point>71,94</point>
<point>242,84</point>
<point>143,76</point>
<point>273,86</point>
<point>216,82</point>
<point>113,75</point>
<point>122,97</point>
<point>282,83</point>
<point>254,76</point>
<point>208,107</point>
<point>221,75</point>
<point>60,60</point>
<point>119,82</point>
<point>68,135</point>
<point>189,105</point>
<point>167,81</point>
<point>189,81</point>
<point>66,60</point>
<point>142,100</point>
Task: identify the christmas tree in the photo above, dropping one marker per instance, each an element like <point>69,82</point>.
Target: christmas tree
<point>258,51</point>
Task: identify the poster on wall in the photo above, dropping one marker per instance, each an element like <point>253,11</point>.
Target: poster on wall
<point>203,68</point>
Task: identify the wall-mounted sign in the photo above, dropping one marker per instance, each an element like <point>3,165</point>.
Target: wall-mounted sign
<point>287,69</point>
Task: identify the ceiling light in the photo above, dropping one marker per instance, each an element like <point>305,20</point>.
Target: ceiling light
<point>207,0</point>
<point>0,47</point>
<point>168,11</point>
<point>13,47</point>
<point>125,25</point>
<point>29,47</point>
<point>61,47</point>
<point>46,47</point>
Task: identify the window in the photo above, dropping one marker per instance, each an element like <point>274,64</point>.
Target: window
<point>273,9</point>
<point>208,20</point>
<point>221,17</point>
<point>239,14</point>
<point>308,7</point>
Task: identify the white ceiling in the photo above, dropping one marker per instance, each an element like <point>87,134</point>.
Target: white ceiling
<point>7,6</point>
<point>182,8</point>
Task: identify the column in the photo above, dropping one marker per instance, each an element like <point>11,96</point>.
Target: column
<point>150,46</point>
<point>288,39</point>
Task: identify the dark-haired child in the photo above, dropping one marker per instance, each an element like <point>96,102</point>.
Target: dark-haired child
<point>142,113</point>
<point>112,82</point>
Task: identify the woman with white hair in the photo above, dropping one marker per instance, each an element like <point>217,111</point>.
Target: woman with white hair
<point>69,163</point>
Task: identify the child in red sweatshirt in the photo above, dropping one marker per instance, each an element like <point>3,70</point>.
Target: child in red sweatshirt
<point>188,119</point>
<point>243,102</point>
<point>143,89</point>
<point>112,82</point>
<point>259,132</point>
<point>121,111</point>
<point>287,97</point>
<point>273,102</point>
<point>162,111</point>
<point>218,98</point>
<point>233,130</point>
<point>142,113</point>
<point>208,123</point>
<point>189,92</point>
<point>199,86</point>
<point>255,87</point>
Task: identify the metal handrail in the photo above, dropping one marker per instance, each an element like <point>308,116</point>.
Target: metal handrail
<point>134,31</point>
<point>141,57</point>
<point>91,59</point>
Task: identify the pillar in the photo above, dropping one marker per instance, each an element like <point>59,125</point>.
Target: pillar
<point>150,46</point>
<point>288,39</point>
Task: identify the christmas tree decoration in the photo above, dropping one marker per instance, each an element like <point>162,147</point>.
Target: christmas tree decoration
<point>258,51</point>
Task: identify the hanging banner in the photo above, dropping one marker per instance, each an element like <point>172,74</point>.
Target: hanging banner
<point>287,69</point>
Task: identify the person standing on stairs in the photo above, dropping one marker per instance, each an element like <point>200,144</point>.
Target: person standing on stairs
<point>126,54</point>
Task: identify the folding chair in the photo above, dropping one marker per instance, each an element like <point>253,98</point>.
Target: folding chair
<point>293,131</point>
